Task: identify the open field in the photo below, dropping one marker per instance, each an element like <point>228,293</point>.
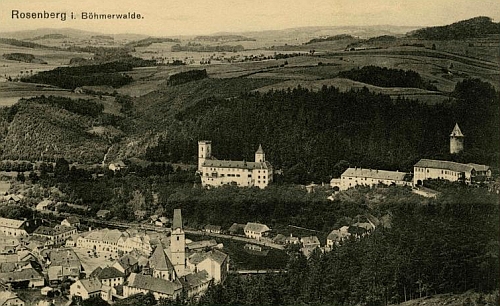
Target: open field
<point>91,263</point>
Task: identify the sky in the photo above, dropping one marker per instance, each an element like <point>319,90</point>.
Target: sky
<point>196,17</point>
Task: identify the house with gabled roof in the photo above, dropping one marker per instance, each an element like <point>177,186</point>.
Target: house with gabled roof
<point>10,298</point>
<point>255,230</point>
<point>109,276</point>
<point>126,264</point>
<point>160,288</point>
<point>71,221</point>
<point>85,288</point>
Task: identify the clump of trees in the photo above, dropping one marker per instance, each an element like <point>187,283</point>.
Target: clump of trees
<point>187,76</point>
<point>387,77</point>
<point>110,74</point>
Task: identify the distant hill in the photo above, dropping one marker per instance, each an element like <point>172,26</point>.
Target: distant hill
<point>26,44</point>
<point>223,38</point>
<point>151,40</point>
<point>50,36</point>
<point>330,38</point>
<point>470,28</point>
<point>70,33</point>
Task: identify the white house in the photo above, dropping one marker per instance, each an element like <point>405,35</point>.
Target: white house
<point>337,236</point>
<point>216,173</point>
<point>86,288</point>
<point>255,230</point>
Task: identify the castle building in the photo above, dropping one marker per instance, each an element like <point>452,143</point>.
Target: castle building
<point>456,140</point>
<point>426,169</point>
<point>372,177</point>
<point>215,173</point>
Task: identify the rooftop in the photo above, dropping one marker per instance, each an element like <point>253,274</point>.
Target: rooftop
<point>235,164</point>
<point>256,227</point>
<point>375,174</point>
<point>443,164</point>
<point>456,131</point>
<point>154,284</point>
<point>11,223</point>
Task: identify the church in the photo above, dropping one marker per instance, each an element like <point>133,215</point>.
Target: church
<point>216,173</point>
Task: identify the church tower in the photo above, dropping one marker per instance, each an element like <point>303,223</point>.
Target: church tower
<point>178,244</point>
<point>260,156</point>
<point>204,152</point>
<point>456,140</point>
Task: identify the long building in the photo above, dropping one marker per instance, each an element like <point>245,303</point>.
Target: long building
<point>371,177</point>
<point>426,169</point>
<point>216,173</point>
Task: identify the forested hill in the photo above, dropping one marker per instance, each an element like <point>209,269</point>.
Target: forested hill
<point>471,28</point>
<point>307,133</point>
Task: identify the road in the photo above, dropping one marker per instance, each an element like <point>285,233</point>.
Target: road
<point>239,238</point>
<point>123,225</point>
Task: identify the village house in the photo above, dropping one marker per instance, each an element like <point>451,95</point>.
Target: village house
<point>71,221</point>
<point>353,177</point>
<point>18,228</point>
<point>309,243</point>
<point>62,263</point>
<point>43,205</point>
<point>103,213</point>
<point>117,166</point>
<point>10,298</point>
<point>337,236</point>
<point>56,235</point>
<point>255,230</point>
<point>100,240</point>
<point>22,274</point>
<point>109,276</point>
<point>84,289</point>
<point>215,173</point>
<point>126,264</point>
<point>426,169</point>
<point>215,229</point>
<point>160,288</point>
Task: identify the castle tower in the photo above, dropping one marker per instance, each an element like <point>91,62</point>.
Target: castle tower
<point>456,140</point>
<point>260,156</point>
<point>204,152</point>
<point>178,244</point>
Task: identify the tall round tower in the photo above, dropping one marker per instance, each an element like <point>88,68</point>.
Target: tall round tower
<point>456,140</point>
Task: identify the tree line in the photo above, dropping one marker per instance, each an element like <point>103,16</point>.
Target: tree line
<point>308,133</point>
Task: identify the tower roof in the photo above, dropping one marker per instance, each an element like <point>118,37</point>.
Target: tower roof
<point>259,150</point>
<point>177,223</point>
<point>456,131</point>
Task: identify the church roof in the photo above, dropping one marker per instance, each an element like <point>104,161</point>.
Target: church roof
<point>159,260</point>
<point>456,131</point>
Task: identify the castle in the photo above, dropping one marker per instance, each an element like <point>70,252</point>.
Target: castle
<point>215,173</point>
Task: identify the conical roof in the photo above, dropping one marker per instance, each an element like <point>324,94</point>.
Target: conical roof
<point>259,150</point>
<point>456,131</point>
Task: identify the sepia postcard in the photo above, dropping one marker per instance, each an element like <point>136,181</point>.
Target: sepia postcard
<point>240,152</point>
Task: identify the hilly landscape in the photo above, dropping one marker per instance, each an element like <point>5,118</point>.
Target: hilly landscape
<point>313,104</point>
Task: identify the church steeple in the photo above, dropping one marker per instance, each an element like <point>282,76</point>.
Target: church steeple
<point>178,244</point>
<point>456,140</point>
